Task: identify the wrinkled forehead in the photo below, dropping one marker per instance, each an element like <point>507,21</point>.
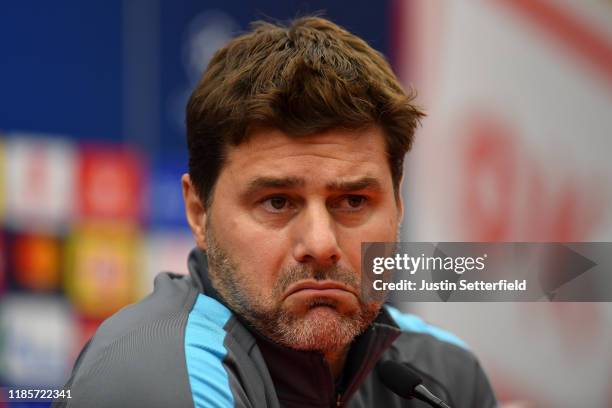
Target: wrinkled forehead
<point>333,159</point>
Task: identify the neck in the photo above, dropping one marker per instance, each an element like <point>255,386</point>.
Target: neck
<point>336,359</point>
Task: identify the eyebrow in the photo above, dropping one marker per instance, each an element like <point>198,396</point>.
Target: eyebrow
<point>363,183</point>
<point>263,183</point>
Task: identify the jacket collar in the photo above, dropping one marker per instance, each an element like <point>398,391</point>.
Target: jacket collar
<point>304,377</point>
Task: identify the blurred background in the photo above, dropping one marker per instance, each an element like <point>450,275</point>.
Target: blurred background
<point>516,147</point>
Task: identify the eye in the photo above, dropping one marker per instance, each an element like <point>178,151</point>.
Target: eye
<point>276,204</point>
<point>355,201</point>
<point>351,203</point>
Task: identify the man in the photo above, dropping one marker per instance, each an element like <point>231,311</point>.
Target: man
<point>296,138</point>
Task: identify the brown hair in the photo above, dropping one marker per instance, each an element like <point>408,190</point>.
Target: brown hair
<point>308,77</point>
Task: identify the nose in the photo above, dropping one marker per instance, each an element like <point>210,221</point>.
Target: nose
<point>315,237</point>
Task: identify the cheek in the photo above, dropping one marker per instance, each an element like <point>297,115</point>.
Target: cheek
<point>388,225</point>
<point>259,252</point>
<point>381,228</point>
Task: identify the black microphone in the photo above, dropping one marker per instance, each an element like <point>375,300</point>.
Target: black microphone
<point>403,381</point>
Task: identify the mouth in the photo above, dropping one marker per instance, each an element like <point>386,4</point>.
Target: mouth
<point>321,289</point>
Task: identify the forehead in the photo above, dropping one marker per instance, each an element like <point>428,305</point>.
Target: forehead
<point>322,157</point>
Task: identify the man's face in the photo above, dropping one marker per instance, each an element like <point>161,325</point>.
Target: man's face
<point>284,232</point>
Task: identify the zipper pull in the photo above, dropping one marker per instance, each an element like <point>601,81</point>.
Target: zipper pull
<point>338,401</point>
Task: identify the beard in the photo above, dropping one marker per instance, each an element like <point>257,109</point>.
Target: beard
<point>322,327</point>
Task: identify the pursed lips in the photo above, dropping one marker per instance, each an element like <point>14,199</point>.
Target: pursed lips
<point>317,286</point>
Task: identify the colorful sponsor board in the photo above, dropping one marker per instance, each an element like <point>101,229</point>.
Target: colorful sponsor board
<point>39,182</point>
<point>103,267</point>
<point>36,261</point>
<point>165,252</point>
<point>3,261</point>
<point>36,335</point>
<point>110,184</point>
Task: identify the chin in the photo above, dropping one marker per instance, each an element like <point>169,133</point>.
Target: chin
<point>321,328</point>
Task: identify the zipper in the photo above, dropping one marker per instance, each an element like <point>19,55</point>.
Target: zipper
<point>339,400</point>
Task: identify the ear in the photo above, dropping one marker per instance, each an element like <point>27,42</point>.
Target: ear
<point>195,211</point>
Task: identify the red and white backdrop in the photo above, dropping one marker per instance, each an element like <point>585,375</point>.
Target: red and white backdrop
<point>517,146</point>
